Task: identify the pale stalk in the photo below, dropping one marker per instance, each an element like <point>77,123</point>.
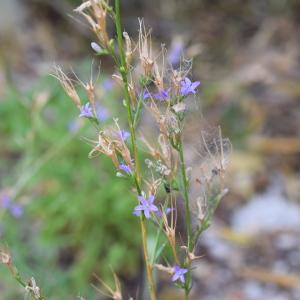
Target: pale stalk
<point>124,71</point>
<point>185,185</point>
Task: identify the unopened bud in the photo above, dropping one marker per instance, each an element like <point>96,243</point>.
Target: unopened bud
<point>96,48</point>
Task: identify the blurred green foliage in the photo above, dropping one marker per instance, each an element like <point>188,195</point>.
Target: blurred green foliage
<point>77,215</point>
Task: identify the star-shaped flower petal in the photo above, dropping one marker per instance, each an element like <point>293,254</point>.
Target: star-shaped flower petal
<point>102,112</point>
<point>16,210</point>
<point>123,134</point>
<point>167,211</point>
<point>188,87</point>
<point>146,95</point>
<point>125,168</point>
<point>178,274</point>
<point>162,95</point>
<point>146,206</point>
<point>86,111</point>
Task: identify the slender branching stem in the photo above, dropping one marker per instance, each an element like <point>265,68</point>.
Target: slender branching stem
<point>185,185</point>
<point>137,178</point>
<point>16,275</point>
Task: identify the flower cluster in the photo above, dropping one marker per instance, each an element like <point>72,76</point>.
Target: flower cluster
<point>149,86</point>
<point>15,209</point>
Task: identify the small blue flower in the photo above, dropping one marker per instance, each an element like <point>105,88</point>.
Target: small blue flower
<point>188,87</point>
<point>146,206</point>
<point>162,95</point>
<point>123,134</point>
<point>146,95</point>
<point>73,126</point>
<point>5,201</point>
<point>125,168</point>
<point>175,52</point>
<point>167,211</point>
<point>16,210</point>
<point>178,273</point>
<point>102,112</point>
<point>108,84</point>
<point>86,111</point>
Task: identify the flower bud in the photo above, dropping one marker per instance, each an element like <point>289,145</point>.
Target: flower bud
<point>96,47</point>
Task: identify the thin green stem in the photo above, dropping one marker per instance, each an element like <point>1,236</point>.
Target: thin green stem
<point>185,184</point>
<point>124,71</point>
<point>186,295</point>
<point>160,230</point>
<point>16,275</point>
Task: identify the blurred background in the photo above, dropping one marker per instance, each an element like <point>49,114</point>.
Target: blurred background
<point>65,217</point>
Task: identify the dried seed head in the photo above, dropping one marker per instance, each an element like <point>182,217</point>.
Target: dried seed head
<point>5,257</point>
<point>129,51</point>
<point>95,12</point>
<point>90,92</point>
<point>145,49</point>
<point>105,146</point>
<point>117,78</point>
<point>89,87</point>
<point>214,151</point>
<point>132,92</point>
<point>67,85</point>
<point>33,289</point>
<point>179,107</point>
<point>177,75</point>
<point>163,268</point>
<point>172,124</point>
<point>170,230</point>
<point>153,185</point>
<point>159,70</point>
<point>164,161</point>
<point>191,255</point>
<point>111,142</point>
<point>83,7</point>
<point>109,292</point>
<point>201,208</point>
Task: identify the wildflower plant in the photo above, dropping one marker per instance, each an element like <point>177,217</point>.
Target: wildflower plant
<point>151,85</point>
<point>30,287</point>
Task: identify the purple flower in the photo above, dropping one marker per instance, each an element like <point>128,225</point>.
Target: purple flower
<point>102,112</point>
<point>108,84</point>
<point>16,210</point>
<point>123,134</point>
<point>146,95</point>
<point>175,52</point>
<point>146,206</point>
<point>188,87</point>
<point>5,201</point>
<point>167,211</point>
<point>73,126</point>
<point>178,273</point>
<point>125,168</point>
<point>162,95</point>
<point>86,111</point>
